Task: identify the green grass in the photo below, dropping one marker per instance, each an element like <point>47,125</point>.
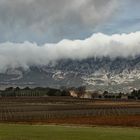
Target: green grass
<point>43,132</point>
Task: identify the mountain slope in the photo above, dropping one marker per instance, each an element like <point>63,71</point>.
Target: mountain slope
<point>119,74</point>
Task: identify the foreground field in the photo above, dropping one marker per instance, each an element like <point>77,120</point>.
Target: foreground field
<point>68,110</point>
<point>43,132</point>
<point>123,120</point>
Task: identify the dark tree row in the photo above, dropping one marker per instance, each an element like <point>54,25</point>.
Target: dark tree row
<point>38,91</point>
<point>135,94</point>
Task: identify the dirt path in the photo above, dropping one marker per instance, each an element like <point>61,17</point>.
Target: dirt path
<point>132,120</point>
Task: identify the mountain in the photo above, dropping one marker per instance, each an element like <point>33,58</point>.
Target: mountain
<point>112,74</point>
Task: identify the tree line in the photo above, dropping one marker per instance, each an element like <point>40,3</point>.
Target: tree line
<point>63,91</point>
<point>38,91</point>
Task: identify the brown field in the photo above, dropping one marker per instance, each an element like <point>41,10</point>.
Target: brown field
<point>124,120</point>
<point>68,110</point>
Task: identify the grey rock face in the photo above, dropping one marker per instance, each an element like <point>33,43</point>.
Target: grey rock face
<point>119,74</point>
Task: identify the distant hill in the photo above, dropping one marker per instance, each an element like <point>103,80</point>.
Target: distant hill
<point>119,74</point>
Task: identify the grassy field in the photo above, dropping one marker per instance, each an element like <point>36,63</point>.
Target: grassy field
<point>46,132</point>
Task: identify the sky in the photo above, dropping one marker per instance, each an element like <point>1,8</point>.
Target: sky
<point>51,21</point>
<point>37,32</point>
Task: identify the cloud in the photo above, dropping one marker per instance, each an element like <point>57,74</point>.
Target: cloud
<point>24,55</point>
<point>52,17</point>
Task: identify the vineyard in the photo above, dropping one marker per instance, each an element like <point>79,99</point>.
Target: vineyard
<point>55,109</point>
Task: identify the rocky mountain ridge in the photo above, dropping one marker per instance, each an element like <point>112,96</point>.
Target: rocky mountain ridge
<point>114,74</point>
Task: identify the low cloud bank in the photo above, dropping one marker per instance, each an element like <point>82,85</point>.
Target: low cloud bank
<point>24,55</point>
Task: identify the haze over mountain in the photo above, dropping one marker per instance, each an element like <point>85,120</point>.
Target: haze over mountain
<point>95,43</point>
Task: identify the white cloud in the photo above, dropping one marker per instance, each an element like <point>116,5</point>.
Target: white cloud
<point>14,55</point>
